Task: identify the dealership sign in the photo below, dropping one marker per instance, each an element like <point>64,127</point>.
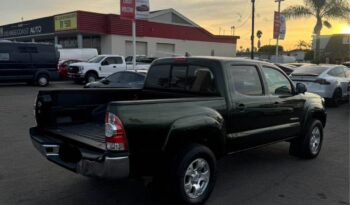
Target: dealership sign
<point>279,26</point>
<point>134,9</point>
<point>28,28</point>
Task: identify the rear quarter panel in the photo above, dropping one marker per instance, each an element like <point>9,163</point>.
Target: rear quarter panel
<point>148,123</point>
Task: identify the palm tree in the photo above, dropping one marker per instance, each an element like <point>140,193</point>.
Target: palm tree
<point>259,35</point>
<point>323,11</point>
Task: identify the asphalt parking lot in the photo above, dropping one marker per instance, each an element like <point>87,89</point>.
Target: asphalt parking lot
<point>264,176</point>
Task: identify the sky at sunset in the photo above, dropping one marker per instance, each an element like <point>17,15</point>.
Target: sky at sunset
<point>213,15</point>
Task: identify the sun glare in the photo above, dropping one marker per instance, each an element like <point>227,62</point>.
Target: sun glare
<point>346,30</point>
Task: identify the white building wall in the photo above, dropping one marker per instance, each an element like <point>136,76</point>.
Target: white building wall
<point>114,44</point>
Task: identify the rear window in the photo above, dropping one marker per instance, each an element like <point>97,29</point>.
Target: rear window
<point>309,70</point>
<point>188,78</point>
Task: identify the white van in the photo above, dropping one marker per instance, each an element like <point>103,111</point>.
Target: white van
<point>82,54</point>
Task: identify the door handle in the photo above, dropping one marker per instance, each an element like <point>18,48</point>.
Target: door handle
<point>241,107</point>
<point>114,66</point>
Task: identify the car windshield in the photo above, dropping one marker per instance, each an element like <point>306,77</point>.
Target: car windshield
<point>96,59</point>
<point>310,70</point>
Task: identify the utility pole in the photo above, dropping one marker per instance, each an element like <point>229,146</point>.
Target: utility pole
<point>253,29</point>
<point>277,41</point>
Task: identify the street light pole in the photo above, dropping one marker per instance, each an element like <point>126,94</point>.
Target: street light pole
<point>253,29</point>
<point>277,41</point>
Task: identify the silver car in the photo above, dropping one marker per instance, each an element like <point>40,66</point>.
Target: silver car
<point>329,81</point>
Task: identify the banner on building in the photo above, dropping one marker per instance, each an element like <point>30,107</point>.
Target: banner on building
<point>279,26</point>
<point>134,9</point>
<point>66,22</point>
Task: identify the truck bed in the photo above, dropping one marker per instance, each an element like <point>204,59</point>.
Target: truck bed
<point>91,134</point>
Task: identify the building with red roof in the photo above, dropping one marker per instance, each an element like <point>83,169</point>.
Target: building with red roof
<point>166,33</point>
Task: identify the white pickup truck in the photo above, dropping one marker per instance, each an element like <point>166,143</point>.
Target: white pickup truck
<point>98,67</point>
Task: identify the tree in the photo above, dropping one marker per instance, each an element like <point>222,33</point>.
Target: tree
<point>322,10</point>
<point>259,35</point>
<point>303,45</point>
<point>270,50</point>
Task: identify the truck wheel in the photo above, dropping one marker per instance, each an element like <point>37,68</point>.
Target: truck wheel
<point>90,77</point>
<point>309,146</point>
<point>193,174</point>
<point>42,80</point>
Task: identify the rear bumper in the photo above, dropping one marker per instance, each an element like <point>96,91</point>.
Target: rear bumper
<point>93,163</point>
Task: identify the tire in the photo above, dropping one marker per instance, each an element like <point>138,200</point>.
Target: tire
<point>309,146</point>
<point>193,174</point>
<point>42,80</point>
<point>90,77</point>
<point>337,97</point>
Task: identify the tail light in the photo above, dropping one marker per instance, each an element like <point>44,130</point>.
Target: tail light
<point>322,81</point>
<point>115,133</point>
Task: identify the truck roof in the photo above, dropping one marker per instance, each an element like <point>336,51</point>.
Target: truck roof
<point>211,58</point>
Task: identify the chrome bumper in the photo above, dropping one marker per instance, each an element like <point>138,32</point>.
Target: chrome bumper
<point>100,166</point>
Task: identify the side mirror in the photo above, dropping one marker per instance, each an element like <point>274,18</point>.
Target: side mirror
<point>105,63</point>
<point>300,88</point>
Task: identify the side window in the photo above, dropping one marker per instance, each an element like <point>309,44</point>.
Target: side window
<point>110,60</point>
<point>337,72</point>
<point>277,83</point>
<point>200,79</point>
<point>158,77</point>
<point>118,60</point>
<point>139,78</point>
<point>4,57</point>
<point>246,80</point>
<point>178,77</point>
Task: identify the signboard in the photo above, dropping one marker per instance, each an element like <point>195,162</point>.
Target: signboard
<point>134,9</point>
<point>66,22</point>
<point>279,26</point>
<point>142,9</point>
<point>346,40</point>
<point>283,27</point>
<point>28,28</point>
<point>127,9</point>
<point>276,25</point>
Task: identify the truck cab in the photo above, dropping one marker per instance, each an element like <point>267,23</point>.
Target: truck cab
<point>97,67</point>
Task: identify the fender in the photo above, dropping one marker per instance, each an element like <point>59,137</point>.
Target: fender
<point>205,128</point>
<point>314,110</point>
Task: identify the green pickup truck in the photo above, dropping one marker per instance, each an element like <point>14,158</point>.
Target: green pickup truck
<point>191,112</point>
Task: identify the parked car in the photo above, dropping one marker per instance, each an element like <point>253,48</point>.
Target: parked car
<point>328,81</point>
<point>123,79</point>
<point>33,63</point>
<point>347,64</point>
<point>298,64</point>
<point>286,68</point>
<point>190,113</point>
<point>81,54</point>
<point>142,62</point>
<point>98,67</point>
<point>63,66</point>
